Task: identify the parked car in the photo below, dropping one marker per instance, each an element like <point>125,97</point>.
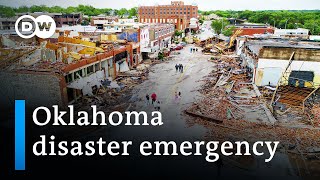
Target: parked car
<point>175,48</point>
<point>183,43</point>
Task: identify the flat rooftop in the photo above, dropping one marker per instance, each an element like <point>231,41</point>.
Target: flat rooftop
<point>256,45</point>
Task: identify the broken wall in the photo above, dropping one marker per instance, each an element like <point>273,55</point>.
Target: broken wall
<point>274,60</point>
<point>32,58</point>
<point>264,66</point>
<point>284,53</point>
<point>86,83</point>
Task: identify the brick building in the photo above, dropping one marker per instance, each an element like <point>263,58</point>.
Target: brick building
<point>68,19</point>
<point>176,13</point>
<point>60,18</point>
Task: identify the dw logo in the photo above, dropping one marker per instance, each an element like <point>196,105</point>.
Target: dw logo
<point>43,26</point>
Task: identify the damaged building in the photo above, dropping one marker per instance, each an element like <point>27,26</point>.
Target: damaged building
<point>60,73</point>
<point>290,69</point>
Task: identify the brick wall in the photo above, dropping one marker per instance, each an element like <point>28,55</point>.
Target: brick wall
<point>37,89</point>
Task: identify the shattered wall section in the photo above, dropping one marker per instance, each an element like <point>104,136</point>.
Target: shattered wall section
<point>8,42</point>
<point>32,58</point>
<point>265,64</point>
<point>85,84</point>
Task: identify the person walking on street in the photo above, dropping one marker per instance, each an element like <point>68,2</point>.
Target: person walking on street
<point>177,67</point>
<point>196,49</point>
<point>147,99</point>
<point>179,94</point>
<point>181,68</point>
<point>176,98</point>
<point>153,98</point>
<point>157,106</point>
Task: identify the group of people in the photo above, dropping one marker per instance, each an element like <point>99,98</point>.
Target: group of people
<point>154,101</point>
<point>192,50</point>
<point>179,67</point>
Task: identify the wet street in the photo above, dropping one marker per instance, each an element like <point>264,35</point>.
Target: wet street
<point>165,81</point>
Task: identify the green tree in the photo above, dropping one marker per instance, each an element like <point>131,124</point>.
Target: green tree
<point>178,33</point>
<point>219,25</point>
<point>228,31</point>
<point>122,12</point>
<point>22,9</point>
<point>6,11</point>
<point>133,11</point>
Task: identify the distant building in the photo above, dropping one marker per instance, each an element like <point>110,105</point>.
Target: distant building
<point>68,19</point>
<point>194,24</point>
<point>292,33</point>
<point>101,20</point>
<point>123,21</point>
<point>245,31</point>
<point>60,18</point>
<point>7,24</point>
<point>211,17</point>
<point>176,13</point>
<point>160,36</point>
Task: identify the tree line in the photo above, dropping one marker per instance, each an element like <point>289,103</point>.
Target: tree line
<point>291,19</point>
<point>6,11</point>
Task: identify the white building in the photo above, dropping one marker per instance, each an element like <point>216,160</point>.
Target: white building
<point>124,21</point>
<point>194,23</point>
<point>144,38</point>
<point>300,32</point>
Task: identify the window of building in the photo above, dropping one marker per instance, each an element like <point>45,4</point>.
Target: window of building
<point>90,70</point>
<point>69,78</point>
<point>77,74</point>
<point>97,67</point>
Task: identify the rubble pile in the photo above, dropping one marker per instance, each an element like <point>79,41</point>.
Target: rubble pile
<point>316,114</point>
<point>228,92</point>
<point>115,95</point>
<point>234,109</point>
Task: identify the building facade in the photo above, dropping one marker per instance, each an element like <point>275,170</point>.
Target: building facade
<point>176,13</point>
<point>160,36</point>
<point>101,20</point>
<point>292,33</point>
<point>60,18</point>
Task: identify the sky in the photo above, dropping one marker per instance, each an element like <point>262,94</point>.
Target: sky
<point>202,4</point>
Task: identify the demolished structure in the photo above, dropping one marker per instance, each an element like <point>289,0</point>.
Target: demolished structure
<point>65,70</point>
